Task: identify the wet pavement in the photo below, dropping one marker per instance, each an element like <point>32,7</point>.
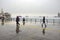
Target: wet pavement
<point>30,31</point>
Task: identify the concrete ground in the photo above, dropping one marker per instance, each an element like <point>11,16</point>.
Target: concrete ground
<point>30,31</point>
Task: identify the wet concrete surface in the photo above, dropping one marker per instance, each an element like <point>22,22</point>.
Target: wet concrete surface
<point>30,31</point>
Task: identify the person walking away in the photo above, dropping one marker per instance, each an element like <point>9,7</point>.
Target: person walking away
<point>23,21</point>
<point>17,20</point>
<point>44,22</point>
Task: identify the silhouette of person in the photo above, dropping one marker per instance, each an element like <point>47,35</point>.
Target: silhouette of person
<point>44,22</point>
<point>17,20</point>
<point>44,19</point>
<point>23,21</point>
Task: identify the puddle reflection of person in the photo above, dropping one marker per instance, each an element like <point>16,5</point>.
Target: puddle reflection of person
<point>43,31</point>
<point>17,28</point>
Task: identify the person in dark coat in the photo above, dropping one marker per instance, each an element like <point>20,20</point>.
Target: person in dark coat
<point>17,20</point>
<point>44,19</point>
<point>23,21</point>
<point>44,22</point>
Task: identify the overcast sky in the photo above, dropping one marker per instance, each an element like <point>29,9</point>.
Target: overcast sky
<point>31,7</point>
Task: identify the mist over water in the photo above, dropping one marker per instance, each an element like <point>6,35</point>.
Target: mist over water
<point>49,19</point>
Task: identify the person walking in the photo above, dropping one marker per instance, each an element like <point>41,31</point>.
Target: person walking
<point>44,22</point>
<point>17,20</point>
<point>23,21</point>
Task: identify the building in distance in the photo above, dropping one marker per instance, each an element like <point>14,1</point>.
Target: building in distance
<point>6,15</point>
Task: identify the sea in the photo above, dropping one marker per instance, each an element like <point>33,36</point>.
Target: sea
<point>48,19</point>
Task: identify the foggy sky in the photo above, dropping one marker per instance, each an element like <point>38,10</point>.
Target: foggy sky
<point>31,7</point>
